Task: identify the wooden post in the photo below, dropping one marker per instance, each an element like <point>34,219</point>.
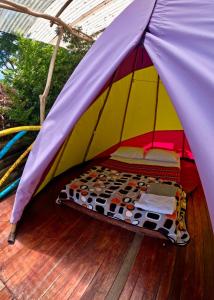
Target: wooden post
<point>12,234</point>
<point>67,3</point>
<point>44,96</point>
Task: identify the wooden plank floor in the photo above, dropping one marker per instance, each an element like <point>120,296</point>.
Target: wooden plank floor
<point>61,254</point>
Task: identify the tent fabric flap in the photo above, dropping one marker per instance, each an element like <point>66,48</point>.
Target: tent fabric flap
<point>180,42</point>
<point>149,74</point>
<point>80,91</point>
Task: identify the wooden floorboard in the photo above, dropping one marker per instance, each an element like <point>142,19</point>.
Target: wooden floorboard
<point>62,254</point>
<point>120,280</point>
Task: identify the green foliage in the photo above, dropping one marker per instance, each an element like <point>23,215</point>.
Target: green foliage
<point>19,112</point>
<point>28,78</point>
<point>8,51</point>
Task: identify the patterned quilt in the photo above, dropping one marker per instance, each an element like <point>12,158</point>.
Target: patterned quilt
<point>114,193</point>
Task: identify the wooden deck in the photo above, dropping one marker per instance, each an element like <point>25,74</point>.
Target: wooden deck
<point>61,254</point>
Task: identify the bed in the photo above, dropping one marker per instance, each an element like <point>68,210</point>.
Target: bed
<point>110,189</point>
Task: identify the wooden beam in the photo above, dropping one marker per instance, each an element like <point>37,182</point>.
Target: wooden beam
<point>90,12</point>
<point>44,96</point>
<point>78,33</point>
<point>67,3</point>
<point>94,35</point>
<point>22,9</point>
<point>122,224</point>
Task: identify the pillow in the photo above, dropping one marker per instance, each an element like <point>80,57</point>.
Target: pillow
<point>162,155</point>
<point>129,152</point>
<point>146,162</point>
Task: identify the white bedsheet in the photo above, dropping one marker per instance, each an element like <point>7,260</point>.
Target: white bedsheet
<point>157,203</point>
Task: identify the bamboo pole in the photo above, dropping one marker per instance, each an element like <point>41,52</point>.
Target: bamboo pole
<point>44,96</point>
<point>67,3</point>
<point>22,9</point>
<point>12,234</point>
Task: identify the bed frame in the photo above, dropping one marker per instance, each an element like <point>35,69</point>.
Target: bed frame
<point>112,221</point>
<point>87,165</point>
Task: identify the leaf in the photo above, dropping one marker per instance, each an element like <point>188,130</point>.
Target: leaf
<point>31,61</point>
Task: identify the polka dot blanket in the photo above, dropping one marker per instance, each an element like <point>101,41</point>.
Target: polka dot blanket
<point>114,194</point>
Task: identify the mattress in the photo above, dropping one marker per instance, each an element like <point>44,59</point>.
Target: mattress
<point>114,193</point>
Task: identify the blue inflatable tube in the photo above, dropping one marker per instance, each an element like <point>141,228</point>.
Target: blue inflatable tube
<point>7,147</point>
<point>8,189</point>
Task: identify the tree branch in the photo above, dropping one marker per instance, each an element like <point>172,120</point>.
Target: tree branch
<point>44,96</point>
<point>10,62</point>
<point>4,61</point>
<point>7,61</point>
<point>67,3</point>
<point>3,72</point>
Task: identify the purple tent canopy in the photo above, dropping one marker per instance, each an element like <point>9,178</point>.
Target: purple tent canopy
<point>179,37</point>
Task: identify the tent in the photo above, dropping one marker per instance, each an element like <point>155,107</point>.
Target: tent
<point>116,95</point>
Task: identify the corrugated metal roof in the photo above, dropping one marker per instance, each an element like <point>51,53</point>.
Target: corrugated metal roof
<point>92,16</point>
<point>11,21</point>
